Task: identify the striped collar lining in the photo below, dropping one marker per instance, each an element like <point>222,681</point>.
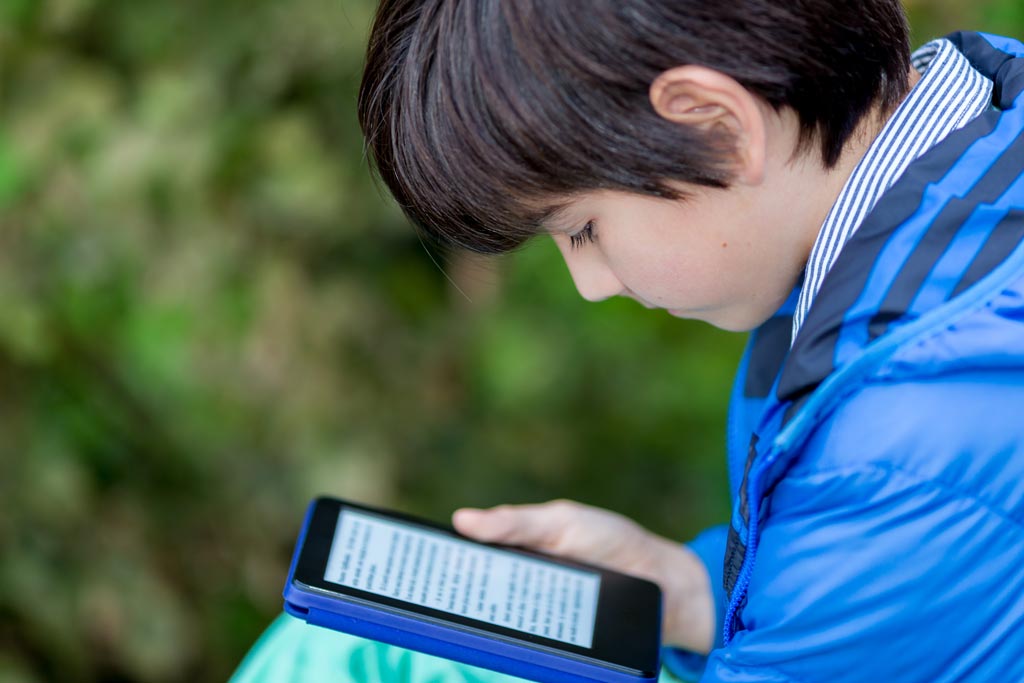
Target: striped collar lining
<point>949,95</point>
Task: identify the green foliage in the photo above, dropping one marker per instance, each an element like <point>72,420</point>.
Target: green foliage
<point>209,314</point>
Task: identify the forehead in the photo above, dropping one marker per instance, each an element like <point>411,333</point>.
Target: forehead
<point>560,213</point>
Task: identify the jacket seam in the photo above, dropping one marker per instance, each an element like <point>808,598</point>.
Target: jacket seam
<point>770,669</point>
<point>951,491</point>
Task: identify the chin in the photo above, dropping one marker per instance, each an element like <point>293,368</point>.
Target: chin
<point>737,326</point>
<point>730,321</point>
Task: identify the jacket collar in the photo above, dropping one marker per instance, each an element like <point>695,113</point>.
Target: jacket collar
<point>955,214</point>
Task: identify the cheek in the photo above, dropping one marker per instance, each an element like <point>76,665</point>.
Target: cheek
<point>678,258</point>
<point>660,276</point>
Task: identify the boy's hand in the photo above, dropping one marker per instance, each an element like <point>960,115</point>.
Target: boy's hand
<point>580,532</point>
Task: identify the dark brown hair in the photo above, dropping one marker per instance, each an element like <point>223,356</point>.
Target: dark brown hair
<point>479,113</point>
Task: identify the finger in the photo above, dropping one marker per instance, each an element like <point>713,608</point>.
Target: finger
<point>536,526</point>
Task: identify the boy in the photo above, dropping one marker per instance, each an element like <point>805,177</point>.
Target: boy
<point>786,168</point>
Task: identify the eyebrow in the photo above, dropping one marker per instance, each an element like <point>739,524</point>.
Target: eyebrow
<point>553,213</point>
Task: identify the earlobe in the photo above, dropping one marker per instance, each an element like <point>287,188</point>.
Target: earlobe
<point>709,100</point>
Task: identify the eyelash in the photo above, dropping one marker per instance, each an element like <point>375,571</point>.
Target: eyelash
<point>578,239</point>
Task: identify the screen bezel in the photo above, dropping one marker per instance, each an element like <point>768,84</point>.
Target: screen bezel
<point>626,605</point>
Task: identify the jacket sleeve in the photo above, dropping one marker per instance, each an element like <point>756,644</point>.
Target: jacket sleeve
<point>873,573</point>
<point>709,546</point>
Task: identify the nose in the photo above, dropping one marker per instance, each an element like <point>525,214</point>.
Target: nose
<point>594,280</point>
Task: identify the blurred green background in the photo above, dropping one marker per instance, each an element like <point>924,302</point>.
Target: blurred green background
<point>209,314</point>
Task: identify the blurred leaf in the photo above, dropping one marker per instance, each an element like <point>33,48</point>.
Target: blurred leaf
<point>12,177</point>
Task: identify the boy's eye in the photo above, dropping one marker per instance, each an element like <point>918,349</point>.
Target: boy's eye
<point>585,235</point>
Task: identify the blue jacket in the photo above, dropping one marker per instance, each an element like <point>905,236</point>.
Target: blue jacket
<point>878,523</point>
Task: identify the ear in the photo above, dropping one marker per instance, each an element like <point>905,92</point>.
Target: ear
<point>703,98</point>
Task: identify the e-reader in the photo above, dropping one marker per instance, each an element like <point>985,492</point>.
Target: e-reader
<point>412,583</point>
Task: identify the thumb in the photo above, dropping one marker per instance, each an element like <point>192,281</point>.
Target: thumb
<point>523,525</point>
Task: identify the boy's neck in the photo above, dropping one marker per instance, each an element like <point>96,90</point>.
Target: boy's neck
<point>795,197</point>
<point>832,181</point>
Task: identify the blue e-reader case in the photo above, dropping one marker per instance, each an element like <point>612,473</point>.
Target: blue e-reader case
<point>626,646</point>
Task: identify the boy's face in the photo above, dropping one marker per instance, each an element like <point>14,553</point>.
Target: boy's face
<point>729,257</point>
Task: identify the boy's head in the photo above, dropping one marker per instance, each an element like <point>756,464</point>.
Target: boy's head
<point>485,117</point>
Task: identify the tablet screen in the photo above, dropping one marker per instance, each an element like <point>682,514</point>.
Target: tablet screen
<point>431,569</point>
